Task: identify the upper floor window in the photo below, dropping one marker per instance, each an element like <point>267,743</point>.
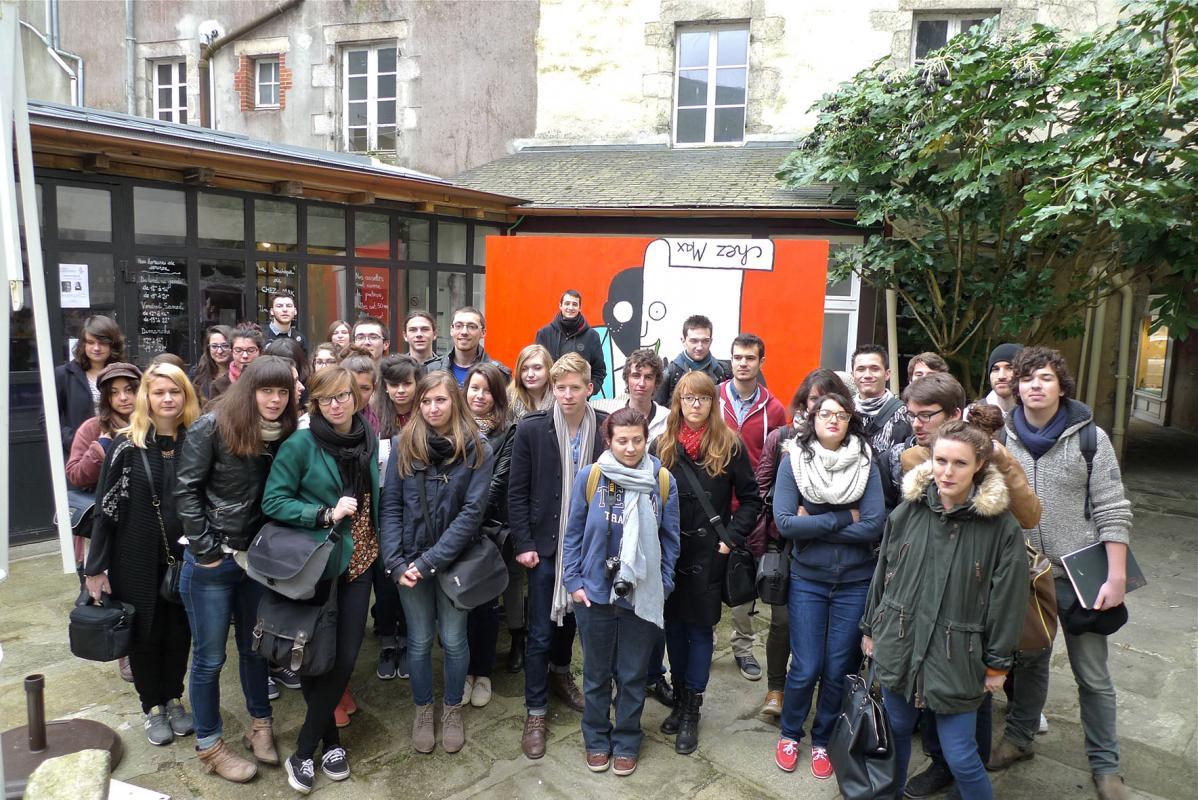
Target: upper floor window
<point>932,31</point>
<point>713,69</point>
<point>266,81</point>
<point>170,90</point>
<point>370,92</point>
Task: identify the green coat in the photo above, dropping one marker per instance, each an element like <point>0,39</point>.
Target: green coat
<point>949,593</point>
<point>302,479</point>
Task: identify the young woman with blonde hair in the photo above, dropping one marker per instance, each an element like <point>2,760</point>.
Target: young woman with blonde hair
<point>530,390</point>
<point>434,498</point>
<point>136,535</point>
<point>699,449</point>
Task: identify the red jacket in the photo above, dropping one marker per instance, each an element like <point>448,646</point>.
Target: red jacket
<point>764,415</point>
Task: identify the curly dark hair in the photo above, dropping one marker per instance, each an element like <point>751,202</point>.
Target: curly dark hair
<point>856,426</point>
<point>1031,359</point>
<point>819,382</point>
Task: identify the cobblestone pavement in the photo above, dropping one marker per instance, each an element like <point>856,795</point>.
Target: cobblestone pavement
<point>1153,661</point>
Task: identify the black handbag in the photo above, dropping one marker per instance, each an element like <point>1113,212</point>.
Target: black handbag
<point>81,506</point>
<point>168,589</point>
<point>478,575</point>
<point>101,632</point>
<point>740,573</point>
<point>288,560</point>
<point>861,747</point>
<point>299,636</point>
<point>773,576</point>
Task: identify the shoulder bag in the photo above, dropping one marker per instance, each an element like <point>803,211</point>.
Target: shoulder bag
<point>861,747</point>
<point>478,575</point>
<point>81,507</point>
<point>773,576</point>
<point>289,560</point>
<point>299,636</point>
<point>101,632</point>
<point>740,575</point>
<point>168,590</point>
<point>1040,618</point>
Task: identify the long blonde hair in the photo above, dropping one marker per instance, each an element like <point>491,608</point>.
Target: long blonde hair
<point>463,430</point>
<point>719,442</point>
<point>141,420</point>
<point>516,393</point>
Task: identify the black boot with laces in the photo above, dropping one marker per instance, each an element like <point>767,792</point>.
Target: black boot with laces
<point>670,724</point>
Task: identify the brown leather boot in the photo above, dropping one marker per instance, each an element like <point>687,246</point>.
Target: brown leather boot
<point>227,764</point>
<point>261,739</point>
<point>533,740</point>
<point>423,731</point>
<point>453,729</point>
<point>563,687</point>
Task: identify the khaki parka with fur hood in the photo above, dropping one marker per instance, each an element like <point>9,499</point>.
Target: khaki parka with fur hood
<point>947,600</point>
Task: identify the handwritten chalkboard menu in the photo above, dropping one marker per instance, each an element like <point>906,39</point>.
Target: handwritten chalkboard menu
<point>274,275</point>
<point>374,291</point>
<point>162,306</point>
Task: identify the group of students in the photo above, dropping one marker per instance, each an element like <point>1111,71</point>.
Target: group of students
<point>904,526</point>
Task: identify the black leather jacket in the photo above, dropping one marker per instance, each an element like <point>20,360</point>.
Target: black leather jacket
<point>218,496</point>
<point>501,442</point>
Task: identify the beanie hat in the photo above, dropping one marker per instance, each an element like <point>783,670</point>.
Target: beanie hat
<point>1079,620</point>
<point>1004,352</point>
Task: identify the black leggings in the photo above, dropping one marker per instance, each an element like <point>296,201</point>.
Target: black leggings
<point>482,632</point>
<point>323,692</point>
<point>159,661</point>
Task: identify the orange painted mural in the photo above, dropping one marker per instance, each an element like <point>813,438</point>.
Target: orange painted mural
<point>637,291</point>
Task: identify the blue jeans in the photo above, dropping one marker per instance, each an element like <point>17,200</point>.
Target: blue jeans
<point>690,647</point>
<point>547,642</point>
<point>213,595</point>
<point>983,734</point>
<point>956,739</point>
<point>615,646</point>
<point>429,612</point>
<point>656,670</point>
<point>824,646</point>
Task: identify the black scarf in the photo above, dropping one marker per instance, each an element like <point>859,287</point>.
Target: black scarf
<point>352,451</point>
<point>571,327</point>
<point>440,449</point>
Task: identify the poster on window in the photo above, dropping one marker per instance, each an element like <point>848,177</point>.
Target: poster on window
<point>72,284</point>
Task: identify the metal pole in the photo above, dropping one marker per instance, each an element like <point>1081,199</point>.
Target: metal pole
<point>35,710</point>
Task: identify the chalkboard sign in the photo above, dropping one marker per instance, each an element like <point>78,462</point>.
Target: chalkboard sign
<point>162,306</point>
<point>272,276</point>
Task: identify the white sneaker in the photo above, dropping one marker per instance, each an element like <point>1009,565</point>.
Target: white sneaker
<point>1043,725</point>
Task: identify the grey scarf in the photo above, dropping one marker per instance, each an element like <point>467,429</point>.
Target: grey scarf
<point>832,477</point>
<point>640,548</point>
<point>561,598</point>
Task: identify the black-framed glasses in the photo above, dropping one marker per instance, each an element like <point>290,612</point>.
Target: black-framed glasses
<point>695,399</point>
<point>245,351</point>
<point>466,326</point>
<point>220,348</point>
<point>927,416</point>
<point>341,398</point>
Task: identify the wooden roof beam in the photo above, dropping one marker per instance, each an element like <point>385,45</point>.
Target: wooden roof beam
<point>288,188</point>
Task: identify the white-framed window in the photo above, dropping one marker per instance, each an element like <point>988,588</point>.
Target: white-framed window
<point>841,303</point>
<point>369,91</point>
<point>170,90</point>
<point>932,31</point>
<point>266,82</point>
<point>711,84</point>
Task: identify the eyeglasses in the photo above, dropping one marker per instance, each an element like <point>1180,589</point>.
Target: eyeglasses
<point>220,348</point>
<point>466,326</point>
<point>927,416</point>
<point>340,399</point>
<point>325,362</point>
<point>245,351</point>
<point>368,337</point>
<point>695,399</point>
<point>839,416</point>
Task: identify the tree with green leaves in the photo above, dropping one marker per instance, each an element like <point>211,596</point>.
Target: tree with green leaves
<point>1021,177</point>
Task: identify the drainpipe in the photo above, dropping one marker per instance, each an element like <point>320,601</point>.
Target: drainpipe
<point>1095,354</point>
<point>1081,365</point>
<point>75,75</point>
<point>130,62</point>
<point>207,51</point>
<point>55,33</point>
<point>892,337</point>
<point>1119,429</point>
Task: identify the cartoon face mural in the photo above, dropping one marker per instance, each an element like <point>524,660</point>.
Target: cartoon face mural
<point>637,292</point>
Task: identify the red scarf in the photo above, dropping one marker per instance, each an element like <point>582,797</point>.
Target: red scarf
<point>234,371</point>
<point>691,439</point>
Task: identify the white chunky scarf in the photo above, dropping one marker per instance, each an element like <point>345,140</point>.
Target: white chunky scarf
<point>830,477</point>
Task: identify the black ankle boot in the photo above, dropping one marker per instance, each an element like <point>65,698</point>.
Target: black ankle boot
<point>515,656</point>
<point>670,724</point>
<point>688,725</point>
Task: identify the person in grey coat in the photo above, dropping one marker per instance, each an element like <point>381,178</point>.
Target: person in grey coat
<point>1044,434</point>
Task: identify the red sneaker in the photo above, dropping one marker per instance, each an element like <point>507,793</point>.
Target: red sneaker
<point>786,754</point>
<point>821,765</point>
<point>340,716</point>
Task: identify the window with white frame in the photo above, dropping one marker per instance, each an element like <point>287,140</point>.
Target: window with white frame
<point>170,90</point>
<point>266,82</point>
<point>369,90</point>
<point>931,32</point>
<point>711,84</point>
